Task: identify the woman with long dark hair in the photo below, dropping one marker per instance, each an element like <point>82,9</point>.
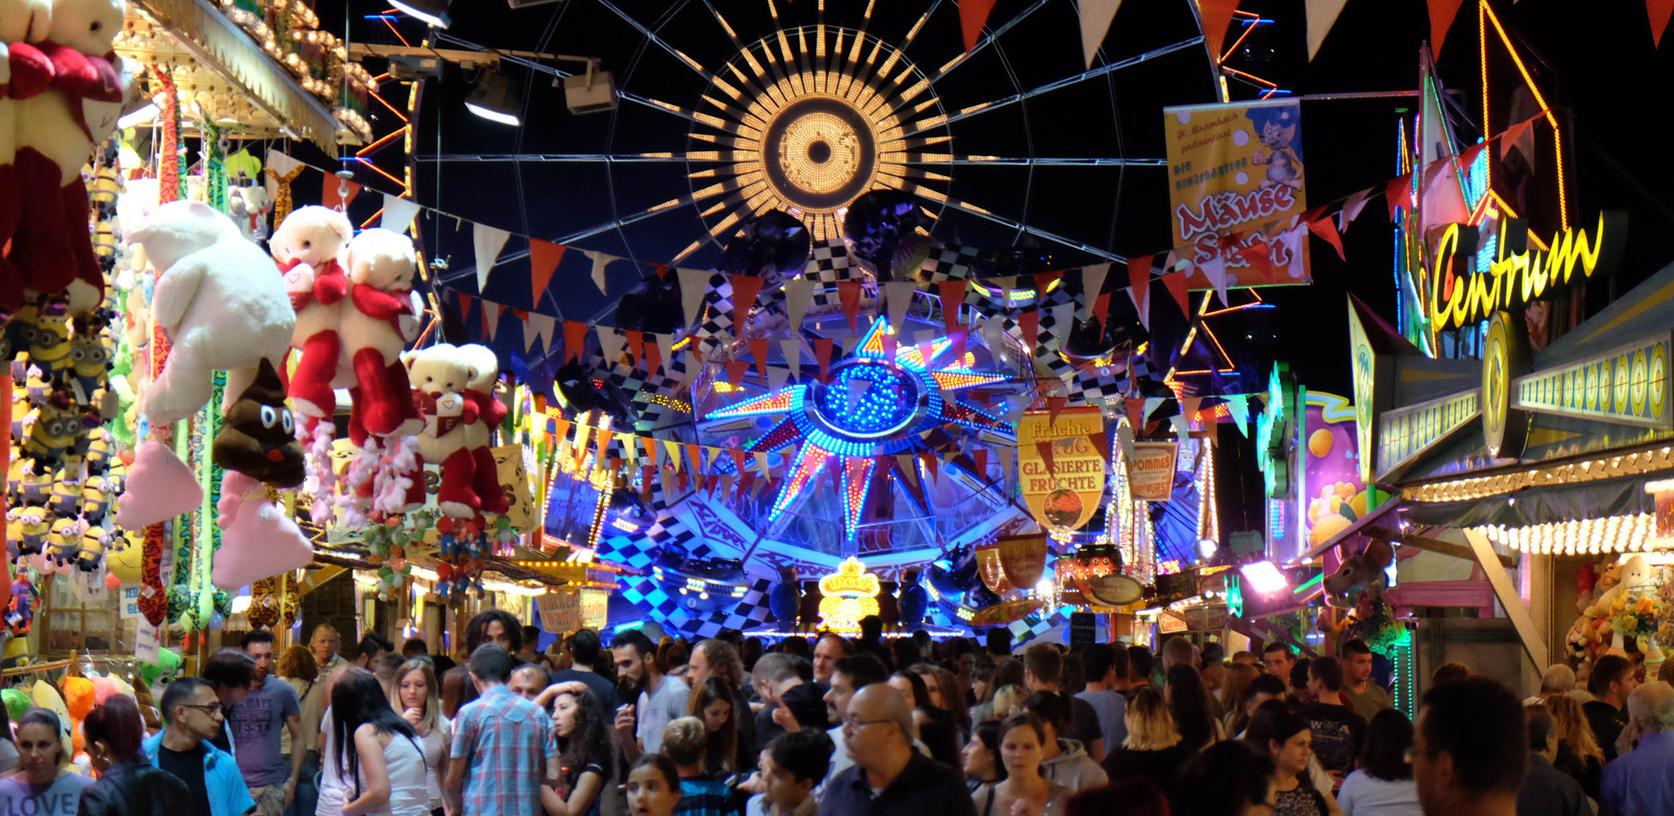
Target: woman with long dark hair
<point>128,785</point>
<point>1383,784</point>
<point>42,785</point>
<point>713,703</point>
<point>376,753</point>
<point>584,749</point>
<point>981,758</point>
<point>415,694</point>
<point>1188,703</point>
<point>1285,738</point>
<point>945,695</point>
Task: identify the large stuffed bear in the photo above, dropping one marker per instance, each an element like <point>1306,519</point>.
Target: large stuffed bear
<point>54,120</point>
<point>381,268</point>
<point>218,300</point>
<point>440,376</point>
<point>485,367</point>
<point>309,245</point>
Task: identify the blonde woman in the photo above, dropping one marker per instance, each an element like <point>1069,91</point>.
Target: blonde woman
<point>417,696</point>
<point>1153,749</point>
<point>1008,700</point>
<point>1579,754</point>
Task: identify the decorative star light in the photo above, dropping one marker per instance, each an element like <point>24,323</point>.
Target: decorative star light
<point>873,405</point>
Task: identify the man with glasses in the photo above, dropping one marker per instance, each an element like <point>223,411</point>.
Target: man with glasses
<point>851,674</point>
<point>889,777</point>
<point>192,713</point>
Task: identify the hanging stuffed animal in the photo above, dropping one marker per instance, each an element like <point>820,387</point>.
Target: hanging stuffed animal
<point>439,376</point>
<point>259,437</point>
<point>381,266</point>
<point>220,304</point>
<point>308,246</point>
<point>485,373</point>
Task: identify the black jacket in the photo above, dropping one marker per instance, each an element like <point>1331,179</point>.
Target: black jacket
<point>135,789</point>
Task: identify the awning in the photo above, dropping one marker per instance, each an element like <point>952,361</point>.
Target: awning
<point>1537,505</point>
<point>1354,529</point>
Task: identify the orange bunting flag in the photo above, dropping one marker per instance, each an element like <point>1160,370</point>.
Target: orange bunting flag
<point>973,15</point>
<point>1175,283</point>
<point>1029,323</point>
<point>653,358</point>
<point>1044,281</point>
<point>1659,11</point>
<point>1136,414</point>
<point>337,192</point>
<point>1259,255</point>
<point>758,350</point>
<point>848,293</point>
<point>1442,13</point>
<point>744,291</point>
<point>1325,229</point>
<point>649,445</point>
<point>930,463</point>
<point>602,447</point>
<point>1101,445</point>
<point>575,340</point>
<point>739,459</point>
<point>646,474</point>
<point>952,292</point>
<point>979,462</point>
<point>1399,194</point>
<point>822,353</point>
<point>1139,277</point>
<point>636,348</point>
<point>1216,16</point>
<point>735,371</point>
<point>544,257</point>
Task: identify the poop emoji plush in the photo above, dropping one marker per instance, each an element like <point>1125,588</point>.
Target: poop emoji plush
<point>259,436</point>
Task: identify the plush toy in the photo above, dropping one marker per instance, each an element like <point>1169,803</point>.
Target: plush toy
<point>90,555</point>
<point>159,487</point>
<point>439,375</point>
<point>259,434</point>
<point>260,543</point>
<point>20,613</point>
<point>381,268</point>
<point>1360,574</point>
<point>63,541</point>
<point>27,529</point>
<point>308,246</point>
<point>56,130</point>
<point>248,205</point>
<point>25,71</point>
<point>479,390</point>
<point>219,302</point>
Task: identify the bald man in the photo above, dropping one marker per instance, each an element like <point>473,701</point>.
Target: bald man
<point>889,777</point>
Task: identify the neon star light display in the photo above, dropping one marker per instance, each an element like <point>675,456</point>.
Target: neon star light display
<point>874,405</point>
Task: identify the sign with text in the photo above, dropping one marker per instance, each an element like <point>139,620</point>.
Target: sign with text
<point>1061,465</point>
<point>1151,470</point>
<point>1233,169</point>
<point>1516,275</point>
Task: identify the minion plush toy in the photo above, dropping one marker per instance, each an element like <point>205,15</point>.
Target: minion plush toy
<point>55,432</point>
<point>91,356</point>
<point>27,529</point>
<point>96,495</point>
<point>63,541</point>
<point>91,556</point>
<point>49,343</point>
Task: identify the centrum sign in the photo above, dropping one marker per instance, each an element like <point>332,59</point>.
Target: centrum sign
<point>1517,274</point>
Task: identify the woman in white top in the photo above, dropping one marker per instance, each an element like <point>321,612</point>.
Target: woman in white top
<point>418,698</point>
<point>375,752</point>
<point>1383,786</point>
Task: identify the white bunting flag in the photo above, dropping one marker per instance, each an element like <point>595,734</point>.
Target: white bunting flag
<point>665,349</point>
<point>398,213</point>
<point>694,284</point>
<point>611,343</point>
<point>791,348</point>
<point>898,295</point>
<point>1092,280</point>
<point>1095,23</point>
<point>487,241</point>
<point>1321,15</point>
<point>1008,461</point>
<point>600,261</point>
<point>542,326</point>
<point>490,318</point>
<point>799,292</point>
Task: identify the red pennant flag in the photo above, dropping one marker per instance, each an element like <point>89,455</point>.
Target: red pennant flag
<point>646,474</point>
<point>1259,255</point>
<point>544,257</point>
<point>329,194</point>
<point>1326,230</point>
<point>1136,413</point>
<point>1442,13</point>
<point>1139,277</point>
<point>822,353</point>
<point>1045,451</point>
<point>952,293</point>
<point>1043,280</point>
<point>1099,444</point>
<point>930,463</point>
<point>1175,283</point>
<point>735,371</point>
<point>890,341</point>
<point>1216,15</point>
<point>848,293</point>
<point>744,291</point>
<point>1054,407</point>
<point>653,358</point>
<point>1029,323</point>
<point>973,15</point>
<point>1399,194</point>
<point>575,340</point>
<point>1515,133</point>
<point>464,306</point>
<point>758,350</point>
<point>979,462</point>
<point>1468,158</point>
<point>1659,11</point>
<point>961,341</point>
<point>738,459</point>
<point>636,348</point>
<point>1101,309</point>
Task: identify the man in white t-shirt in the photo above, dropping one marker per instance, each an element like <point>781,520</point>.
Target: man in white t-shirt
<point>662,699</point>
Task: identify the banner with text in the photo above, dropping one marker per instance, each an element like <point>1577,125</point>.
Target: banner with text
<point>1230,169</point>
<point>1061,464</point>
<point>1151,470</point>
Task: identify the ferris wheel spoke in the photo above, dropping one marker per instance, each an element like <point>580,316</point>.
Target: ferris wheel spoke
<point>1038,161</point>
<point>1108,68</point>
<point>1018,226</point>
<point>632,218</point>
<point>573,158</point>
<point>658,41</point>
<point>988,39</point>
<point>696,117</point>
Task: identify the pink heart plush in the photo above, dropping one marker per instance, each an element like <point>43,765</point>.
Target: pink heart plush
<point>234,487</point>
<point>159,487</point>
<point>260,543</point>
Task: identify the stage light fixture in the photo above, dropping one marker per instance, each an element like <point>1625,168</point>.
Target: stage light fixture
<point>1263,577</point>
<point>494,100</point>
<point>593,91</point>
<point>433,12</point>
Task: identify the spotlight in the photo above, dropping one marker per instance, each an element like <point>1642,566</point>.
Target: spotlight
<point>1263,577</point>
<point>1206,549</point>
<point>434,12</point>
<point>493,100</point>
<point>591,92</point>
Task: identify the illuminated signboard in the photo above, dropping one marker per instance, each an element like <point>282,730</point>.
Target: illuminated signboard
<point>1517,275</point>
<point>1276,432</point>
<point>849,594</point>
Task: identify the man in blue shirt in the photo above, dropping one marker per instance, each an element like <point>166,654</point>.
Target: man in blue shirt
<point>1642,782</point>
<point>193,715</point>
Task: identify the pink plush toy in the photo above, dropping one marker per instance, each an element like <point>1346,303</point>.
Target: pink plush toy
<point>308,245</point>
<point>54,131</point>
<point>159,487</point>
<point>381,268</point>
<point>479,390</point>
<point>439,375</point>
<point>260,543</point>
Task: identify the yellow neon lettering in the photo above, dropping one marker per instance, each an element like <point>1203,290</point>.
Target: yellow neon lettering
<point>1510,279</point>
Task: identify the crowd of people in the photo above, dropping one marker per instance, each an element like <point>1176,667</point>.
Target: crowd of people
<point>729,726</point>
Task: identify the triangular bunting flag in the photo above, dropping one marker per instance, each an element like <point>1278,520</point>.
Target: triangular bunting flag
<point>898,295</point>
<point>533,331</point>
<point>575,340</point>
<point>337,193</point>
<point>1054,406</point>
<point>1659,12</point>
<point>848,293</point>
<point>544,257</point>
<point>973,15</point>
<point>490,318</point>
<point>1182,426</point>
<point>1514,135</point>
<point>931,464</point>
<point>905,464</point>
<point>952,295</point>
<point>1100,444</point>
<point>1326,230</point>
<point>1175,283</point>
<point>1029,323</point>
<point>636,347</point>
<point>672,455</point>
<point>1189,407</point>
<point>1136,412</point>
<point>694,284</point>
<point>610,345</point>
<point>1139,283</point>
<point>735,371</point>
<point>1092,283</point>
<point>777,377</point>
<point>1044,450</point>
<point>1063,320</point>
<point>979,463</point>
<point>487,242</point>
<point>758,351</point>
<point>1216,16</point>
<point>791,349</point>
<point>1151,406</point>
<point>649,446</point>
<point>665,353</point>
<point>822,354</point>
<point>762,465</point>
<point>398,213</point>
<point>1044,282</point>
<point>1008,463</point>
<point>597,273</point>
<point>1095,22</point>
<point>1321,16</point>
<point>993,331</point>
<point>1352,207</point>
<point>1239,406</point>
<point>1399,194</point>
<point>799,293</point>
<point>1442,13</point>
<point>744,291</point>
